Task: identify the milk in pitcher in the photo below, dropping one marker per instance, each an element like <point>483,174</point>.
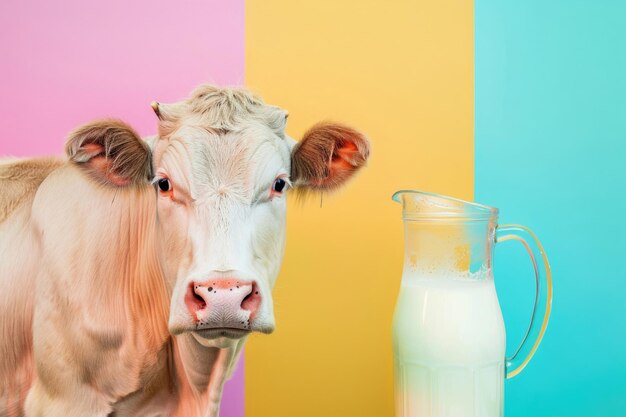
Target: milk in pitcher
<point>449,346</point>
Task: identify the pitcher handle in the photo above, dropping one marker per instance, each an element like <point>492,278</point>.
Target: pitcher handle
<point>543,295</point>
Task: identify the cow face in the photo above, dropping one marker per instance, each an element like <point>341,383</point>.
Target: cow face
<point>223,167</point>
<point>221,186</point>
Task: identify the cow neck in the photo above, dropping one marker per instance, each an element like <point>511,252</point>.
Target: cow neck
<point>199,373</point>
<point>148,297</point>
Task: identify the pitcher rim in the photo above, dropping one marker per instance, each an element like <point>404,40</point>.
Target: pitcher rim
<point>478,212</point>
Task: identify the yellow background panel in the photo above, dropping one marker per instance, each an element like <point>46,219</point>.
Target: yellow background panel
<point>402,72</point>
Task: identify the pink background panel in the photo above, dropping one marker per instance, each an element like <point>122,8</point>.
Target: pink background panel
<point>63,63</point>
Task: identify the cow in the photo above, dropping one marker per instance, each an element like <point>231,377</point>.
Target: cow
<point>133,270</point>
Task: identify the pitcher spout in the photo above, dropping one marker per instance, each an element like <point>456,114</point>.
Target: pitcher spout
<point>421,205</point>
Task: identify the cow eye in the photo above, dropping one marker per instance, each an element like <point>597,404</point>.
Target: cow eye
<point>279,185</point>
<point>164,185</point>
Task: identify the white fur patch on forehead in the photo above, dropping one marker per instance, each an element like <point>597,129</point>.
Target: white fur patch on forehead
<point>232,163</point>
<point>223,109</point>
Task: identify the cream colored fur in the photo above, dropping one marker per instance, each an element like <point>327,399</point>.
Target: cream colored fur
<point>93,276</point>
<point>102,271</point>
<point>120,356</point>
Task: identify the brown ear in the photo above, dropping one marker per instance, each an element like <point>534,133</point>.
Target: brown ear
<point>112,152</point>
<point>327,156</point>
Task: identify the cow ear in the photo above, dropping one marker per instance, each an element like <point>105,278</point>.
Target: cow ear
<point>327,156</point>
<point>111,152</point>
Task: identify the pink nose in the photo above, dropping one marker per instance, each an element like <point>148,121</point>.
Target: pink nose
<point>223,303</point>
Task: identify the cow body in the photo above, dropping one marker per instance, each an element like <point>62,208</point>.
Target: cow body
<point>104,354</point>
<point>131,275</point>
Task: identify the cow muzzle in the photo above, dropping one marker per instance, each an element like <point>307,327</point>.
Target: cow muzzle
<point>223,307</point>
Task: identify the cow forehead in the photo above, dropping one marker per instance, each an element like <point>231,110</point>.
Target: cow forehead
<point>209,161</point>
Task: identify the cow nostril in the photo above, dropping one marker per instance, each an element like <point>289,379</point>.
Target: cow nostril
<point>246,299</point>
<point>194,301</point>
<point>198,298</point>
<point>252,301</point>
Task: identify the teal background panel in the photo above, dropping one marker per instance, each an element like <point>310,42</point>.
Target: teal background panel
<point>550,152</point>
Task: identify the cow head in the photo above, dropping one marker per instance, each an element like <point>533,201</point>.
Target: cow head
<point>222,168</point>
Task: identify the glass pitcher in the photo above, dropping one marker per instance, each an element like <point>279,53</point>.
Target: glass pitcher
<point>448,332</point>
